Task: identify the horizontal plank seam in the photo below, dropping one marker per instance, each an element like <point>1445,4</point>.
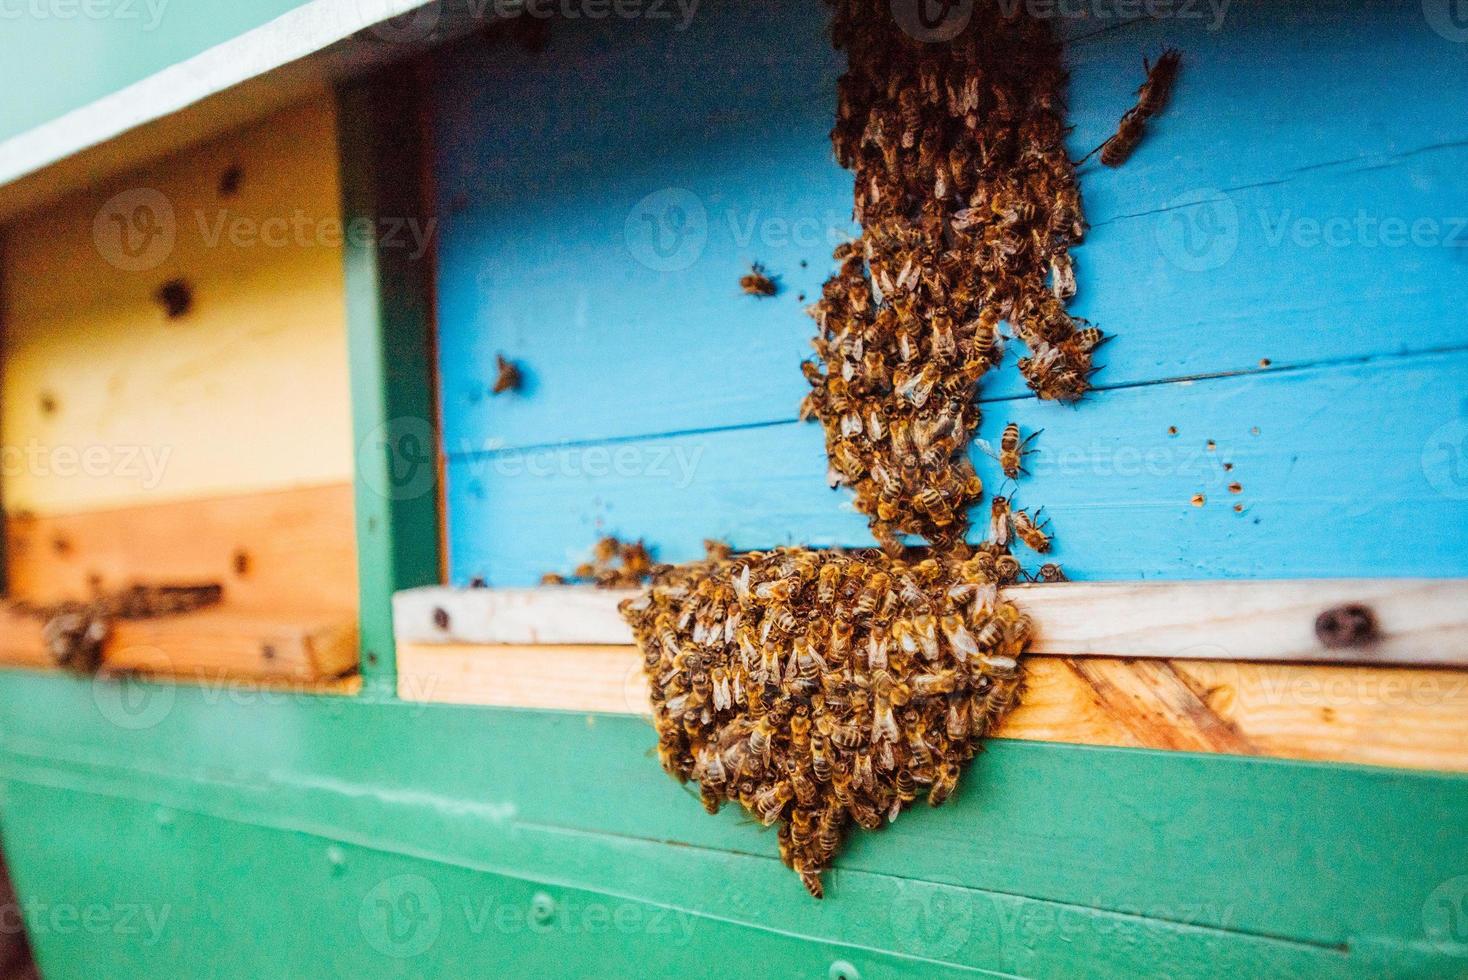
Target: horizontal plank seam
<point>1277,369</point>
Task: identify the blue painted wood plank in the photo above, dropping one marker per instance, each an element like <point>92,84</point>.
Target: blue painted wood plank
<point>1355,470</point>
<point>600,239</point>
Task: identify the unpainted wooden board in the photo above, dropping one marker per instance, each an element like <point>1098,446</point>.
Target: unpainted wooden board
<point>1409,718</point>
<point>209,645</point>
<point>108,402</point>
<point>274,552</point>
<point>1418,621</point>
<point>1332,482</point>
<point>599,241</point>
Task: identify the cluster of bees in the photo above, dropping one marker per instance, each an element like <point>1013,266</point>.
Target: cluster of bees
<point>969,206</point>
<point>822,689</point>
<point>75,632</point>
<point>817,689</point>
<point>614,564</point>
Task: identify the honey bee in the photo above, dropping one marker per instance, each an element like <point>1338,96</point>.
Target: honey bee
<point>1152,98</point>
<point>1029,531</point>
<point>1013,450</point>
<point>757,282</point>
<point>507,376</point>
<point>1050,572</point>
<point>999,520</point>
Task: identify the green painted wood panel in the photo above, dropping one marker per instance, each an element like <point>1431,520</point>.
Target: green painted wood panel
<point>390,348</point>
<point>1052,861</point>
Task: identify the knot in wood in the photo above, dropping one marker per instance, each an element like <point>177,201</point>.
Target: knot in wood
<point>1351,625</point>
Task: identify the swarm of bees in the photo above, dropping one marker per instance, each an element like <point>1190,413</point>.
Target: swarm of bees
<point>75,632</point>
<point>816,689</point>
<point>614,564</point>
<point>969,205</point>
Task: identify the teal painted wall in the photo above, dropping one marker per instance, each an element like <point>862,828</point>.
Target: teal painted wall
<point>59,55</point>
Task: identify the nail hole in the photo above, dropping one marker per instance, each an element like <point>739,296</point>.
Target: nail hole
<point>176,297</point>
<point>1351,625</point>
<point>241,563</point>
<point>230,180</point>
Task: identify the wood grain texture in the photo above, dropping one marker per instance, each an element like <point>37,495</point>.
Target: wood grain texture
<point>1408,718</point>
<point>297,547</point>
<point>1117,483</point>
<point>108,403</point>
<point>214,644</point>
<point>600,240</point>
<point>1419,621</point>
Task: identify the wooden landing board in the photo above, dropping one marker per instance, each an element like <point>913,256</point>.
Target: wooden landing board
<point>213,644</point>
<point>1416,719</point>
<point>298,549</point>
<point>1420,621</point>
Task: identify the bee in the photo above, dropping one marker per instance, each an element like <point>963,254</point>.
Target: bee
<point>1029,531</point>
<point>1013,450</point>
<point>999,520</point>
<point>944,782</point>
<point>1152,98</point>
<point>757,282</point>
<point>1050,572</point>
<point>507,377</point>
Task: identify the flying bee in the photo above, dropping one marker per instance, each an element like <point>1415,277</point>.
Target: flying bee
<point>757,282</point>
<point>1031,532</point>
<point>507,377</point>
